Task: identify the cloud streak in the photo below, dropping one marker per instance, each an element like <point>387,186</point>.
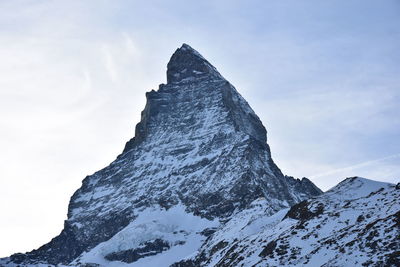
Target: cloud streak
<point>356,166</point>
<point>322,76</point>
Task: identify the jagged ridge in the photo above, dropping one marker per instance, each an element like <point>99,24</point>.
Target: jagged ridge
<point>354,224</point>
<point>199,146</point>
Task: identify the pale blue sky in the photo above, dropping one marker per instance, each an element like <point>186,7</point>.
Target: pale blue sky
<point>323,76</point>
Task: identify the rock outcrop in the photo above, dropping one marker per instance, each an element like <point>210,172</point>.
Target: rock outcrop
<point>200,154</point>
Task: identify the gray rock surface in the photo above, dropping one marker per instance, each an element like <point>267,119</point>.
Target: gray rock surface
<point>198,145</point>
<point>356,223</point>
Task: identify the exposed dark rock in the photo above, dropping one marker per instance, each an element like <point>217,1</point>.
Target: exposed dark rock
<point>208,231</point>
<point>218,247</point>
<point>144,250</point>
<point>68,245</point>
<point>360,218</point>
<point>392,259</point>
<point>198,144</point>
<point>268,249</point>
<point>301,211</point>
<point>89,265</point>
<point>188,63</point>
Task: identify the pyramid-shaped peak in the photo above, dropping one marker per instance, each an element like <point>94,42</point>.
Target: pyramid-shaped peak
<point>188,64</point>
<point>188,48</point>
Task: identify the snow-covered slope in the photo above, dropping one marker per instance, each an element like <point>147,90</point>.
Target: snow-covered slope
<point>199,155</point>
<point>197,186</point>
<point>356,223</point>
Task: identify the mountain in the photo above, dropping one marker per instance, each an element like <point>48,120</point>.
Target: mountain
<point>356,223</point>
<point>196,186</point>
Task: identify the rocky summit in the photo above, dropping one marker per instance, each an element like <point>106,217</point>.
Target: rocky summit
<point>196,186</point>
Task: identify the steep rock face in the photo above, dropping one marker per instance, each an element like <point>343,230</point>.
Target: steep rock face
<point>199,146</point>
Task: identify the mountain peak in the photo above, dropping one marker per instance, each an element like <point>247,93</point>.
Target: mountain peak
<point>199,156</point>
<point>188,64</point>
<point>356,187</point>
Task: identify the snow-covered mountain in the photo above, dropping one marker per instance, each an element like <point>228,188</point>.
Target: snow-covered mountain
<point>356,223</point>
<point>197,186</point>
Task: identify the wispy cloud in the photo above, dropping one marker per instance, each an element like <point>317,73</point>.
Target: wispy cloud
<point>322,76</point>
<point>355,166</point>
<point>109,63</point>
<point>130,45</point>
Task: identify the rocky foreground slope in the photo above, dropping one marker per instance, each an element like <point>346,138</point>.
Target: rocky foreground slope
<point>356,223</point>
<point>197,186</point>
